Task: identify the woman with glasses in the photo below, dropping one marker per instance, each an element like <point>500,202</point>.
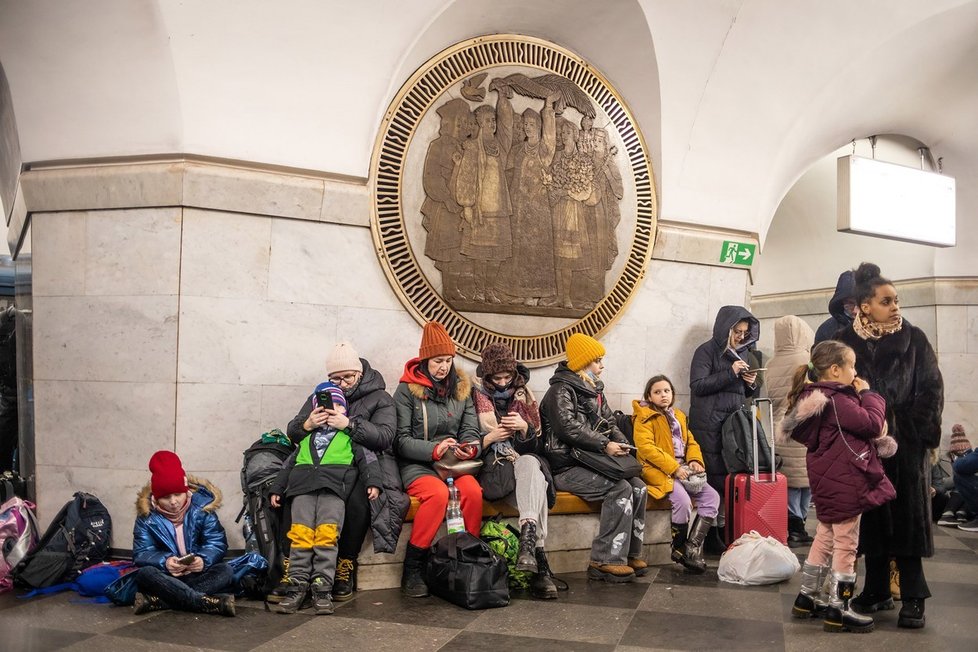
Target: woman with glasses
<point>719,383</point>
<point>370,421</point>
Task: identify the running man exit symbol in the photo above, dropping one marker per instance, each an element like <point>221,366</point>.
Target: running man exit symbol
<point>737,253</point>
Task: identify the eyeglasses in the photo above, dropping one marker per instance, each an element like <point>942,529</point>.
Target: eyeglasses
<point>347,379</point>
<point>742,333</point>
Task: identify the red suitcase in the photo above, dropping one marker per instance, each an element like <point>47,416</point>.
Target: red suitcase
<point>756,501</point>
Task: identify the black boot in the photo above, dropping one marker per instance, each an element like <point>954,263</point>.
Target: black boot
<point>869,603</point>
<point>412,578</point>
<point>321,602</point>
<point>694,561</point>
<point>680,531</point>
<point>526,558</point>
<point>275,595</point>
<point>911,613</point>
<point>145,603</point>
<point>714,544</point>
<point>810,602</point>
<point>838,616</point>
<point>294,596</point>
<point>218,604</point>
<point>542,585</point>
<point>797,535</point>
<point>345,582</point>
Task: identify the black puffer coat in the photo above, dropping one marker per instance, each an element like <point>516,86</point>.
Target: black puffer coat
<point>373,419</point>
<point>837,308</point>
<point>575,415</point>
<point>716,391</point>
<point>902,367</point>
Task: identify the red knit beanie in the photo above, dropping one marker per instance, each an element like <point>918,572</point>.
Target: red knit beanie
<point>168,475</point>
<point>435,341</point>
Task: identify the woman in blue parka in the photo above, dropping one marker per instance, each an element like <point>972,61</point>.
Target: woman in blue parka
<point>179,543</point>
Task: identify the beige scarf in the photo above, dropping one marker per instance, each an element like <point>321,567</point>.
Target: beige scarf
<point>868,329</point>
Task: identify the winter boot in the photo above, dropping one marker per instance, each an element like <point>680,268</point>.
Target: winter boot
<point>838,616</point>
<point>321,603</point>
<point>694,561</point>
<point>526,558</point>
<point>218,604</point>
<point>639,565</point>
<point>295,595</point>
<point>412,577</point>
<point>542,586</point>
<point>868,603</point>
<point>911,614</point>
<point>680,532</point>
<point>276,594</point>
<point>145,603</point>
<point>797,535</point>
<point>894,580</point>
<point>714,542</point>
<point>807,603</point>
<point>345,582</point>
<point>614,573</point>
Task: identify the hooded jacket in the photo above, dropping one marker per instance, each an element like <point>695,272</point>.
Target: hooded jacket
<point>839,318</point>
<point>792,348</point>
<point>653,439</point>
<point>575,414</point>
<point>902,367</point>
<point>839,489</point>
<point>449,416</point>
<point>716,391</point>
<point>154,538</point>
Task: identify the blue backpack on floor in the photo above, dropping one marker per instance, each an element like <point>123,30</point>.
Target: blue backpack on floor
<point>93,582</point>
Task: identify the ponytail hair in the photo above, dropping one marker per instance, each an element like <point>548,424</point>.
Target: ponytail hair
<point>824,355</point>
<point>867,278</point>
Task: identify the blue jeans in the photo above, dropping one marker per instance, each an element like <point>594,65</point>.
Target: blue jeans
<point>967,486</point>
<point>184,592</point>
<point>799,498</point>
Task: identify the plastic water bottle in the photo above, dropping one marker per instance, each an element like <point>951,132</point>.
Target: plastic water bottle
<point>248,530</point>
<point>453,515</point>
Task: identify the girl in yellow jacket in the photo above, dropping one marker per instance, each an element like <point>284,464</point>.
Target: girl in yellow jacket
<point>672,465</point>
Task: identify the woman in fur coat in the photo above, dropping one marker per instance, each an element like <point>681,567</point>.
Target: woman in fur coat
<point>898,361</point>
<point>434,415</point>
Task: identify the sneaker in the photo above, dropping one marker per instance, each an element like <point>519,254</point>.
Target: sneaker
<point>948,519</point>
<point>961,517</point>
<point>321,603</point>
<point>614,573</point>
<point>970,526</point>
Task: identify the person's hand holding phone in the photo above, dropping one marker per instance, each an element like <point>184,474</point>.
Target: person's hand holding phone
<point>466,451</point>
<point>316,419</point>
<point>749,377</point>
<point>335,419</point>
<point>442,447</point>
<point>514,422</point>
<point>614,449</point>
<point>195,566</point>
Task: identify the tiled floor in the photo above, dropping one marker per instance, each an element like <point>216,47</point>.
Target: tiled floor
<point>665,610</point>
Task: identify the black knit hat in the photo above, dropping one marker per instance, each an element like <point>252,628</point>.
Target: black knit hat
<point>497,358</point>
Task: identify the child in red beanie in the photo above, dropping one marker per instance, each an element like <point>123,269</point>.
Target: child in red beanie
<point>178,543</point>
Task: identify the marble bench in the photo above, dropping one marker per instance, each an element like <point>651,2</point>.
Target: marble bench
<point>572,526</point>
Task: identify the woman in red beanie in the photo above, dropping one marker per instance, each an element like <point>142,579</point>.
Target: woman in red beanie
<point>178,543</point>
<point>434,415</point>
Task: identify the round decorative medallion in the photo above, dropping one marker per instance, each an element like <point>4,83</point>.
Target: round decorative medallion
<point>513,197</point>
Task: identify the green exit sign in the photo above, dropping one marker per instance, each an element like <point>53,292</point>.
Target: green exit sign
<point>737,253</point>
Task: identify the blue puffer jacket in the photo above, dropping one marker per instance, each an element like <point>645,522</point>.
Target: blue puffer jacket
<point>154,538</point>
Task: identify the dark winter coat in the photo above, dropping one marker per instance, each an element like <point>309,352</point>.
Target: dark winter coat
<point>451,416</point>
<point>575,414</point>
<point>839,318</point>
<point>297,478</point>
<point>840,490</point>
<point>154,537</point>
<point>716,391</point>
<point>902,367</point>
<point>498,477</point>
<point>373,420</point>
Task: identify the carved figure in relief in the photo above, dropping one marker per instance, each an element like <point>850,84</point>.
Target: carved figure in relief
<point>481,190</point>
<point>602,216</point>
<point>442,213</point>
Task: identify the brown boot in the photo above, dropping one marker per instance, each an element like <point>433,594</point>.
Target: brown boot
<point>639,566</point>
<point>614,573</point>
<point>218,604</point>
<point>146,603</point>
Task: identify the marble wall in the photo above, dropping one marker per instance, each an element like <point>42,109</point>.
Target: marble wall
<point>199,325</point>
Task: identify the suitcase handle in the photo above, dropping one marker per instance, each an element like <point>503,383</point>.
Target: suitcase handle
<point>753,424</point>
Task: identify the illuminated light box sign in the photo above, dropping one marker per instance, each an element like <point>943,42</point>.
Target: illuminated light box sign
<point>894,201</point>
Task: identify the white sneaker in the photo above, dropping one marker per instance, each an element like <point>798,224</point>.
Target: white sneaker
<point>970,526</point>
<point>948,519</point>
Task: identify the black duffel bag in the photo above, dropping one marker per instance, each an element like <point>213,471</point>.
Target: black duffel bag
<point>465,571</point>
<point>613,467</point>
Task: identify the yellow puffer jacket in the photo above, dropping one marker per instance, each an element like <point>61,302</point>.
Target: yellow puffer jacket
<point>653,439</point>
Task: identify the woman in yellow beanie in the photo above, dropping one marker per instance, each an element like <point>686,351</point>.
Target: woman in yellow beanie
<point>575,415</point>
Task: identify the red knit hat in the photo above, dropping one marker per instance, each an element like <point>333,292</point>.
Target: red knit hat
<point>168,475</point>
<point>435,341</point>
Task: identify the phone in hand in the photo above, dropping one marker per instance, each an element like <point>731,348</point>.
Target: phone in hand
<point>324,400</point>
<point>186,560</point>
<point>754,370</point>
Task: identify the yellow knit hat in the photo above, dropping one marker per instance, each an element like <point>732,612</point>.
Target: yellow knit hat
<point>582,350</point>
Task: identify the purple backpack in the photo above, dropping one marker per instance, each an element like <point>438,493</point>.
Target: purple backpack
<point>18,537</point>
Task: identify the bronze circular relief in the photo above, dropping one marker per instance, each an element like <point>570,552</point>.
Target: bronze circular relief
<point>513,197</point>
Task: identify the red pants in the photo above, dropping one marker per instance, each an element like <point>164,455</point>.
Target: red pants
<point>432,492</point>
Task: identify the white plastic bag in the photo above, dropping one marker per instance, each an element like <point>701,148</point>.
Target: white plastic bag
<point>754,559</point>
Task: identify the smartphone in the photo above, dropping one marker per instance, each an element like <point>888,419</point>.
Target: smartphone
<point>626,446</point>
<point>186,560</point>
<point>754,371</point>
<point>324,400</point>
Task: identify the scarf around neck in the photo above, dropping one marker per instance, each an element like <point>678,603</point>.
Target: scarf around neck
<point>868,329</point>
<point>177,516</point>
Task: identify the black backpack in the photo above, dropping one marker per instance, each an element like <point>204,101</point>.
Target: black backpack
<point>738,443</point>
<point>78,537</point>
<point>264,528</point>
<point>626,423</point>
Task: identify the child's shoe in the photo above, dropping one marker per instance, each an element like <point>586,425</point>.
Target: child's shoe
<point>276,594</point>
<point>146,603</point>
<point>321,603</point>
<point>809,603</point>
<point>218,604</point>
<point>838,616</point>
<point>295,595</point>
<point>345,580</point>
